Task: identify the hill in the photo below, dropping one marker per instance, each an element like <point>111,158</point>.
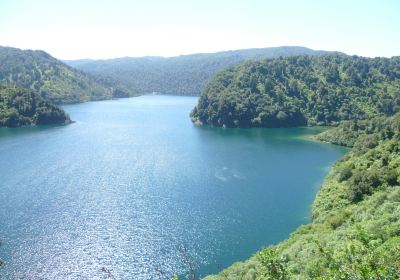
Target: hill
<point>354,232</point>
<point>23,107</point>
<point>181,75</point>
<point>301,90</point>
<point>52,79</point>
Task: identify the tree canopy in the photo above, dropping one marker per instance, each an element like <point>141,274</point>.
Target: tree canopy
<point>301,90</point>
<point>23,107</point>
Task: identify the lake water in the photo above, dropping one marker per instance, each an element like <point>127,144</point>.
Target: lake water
<point>133,188</point>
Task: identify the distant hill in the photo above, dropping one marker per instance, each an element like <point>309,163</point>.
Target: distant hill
<point>24,107</point>
<point>52,79</point>
<point>180,75</point>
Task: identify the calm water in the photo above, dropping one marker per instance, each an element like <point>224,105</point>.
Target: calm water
<point>132,182</point>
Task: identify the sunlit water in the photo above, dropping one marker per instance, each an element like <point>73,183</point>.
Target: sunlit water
<point>123,190</point>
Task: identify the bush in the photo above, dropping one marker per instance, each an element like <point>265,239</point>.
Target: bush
<point>345,173</point>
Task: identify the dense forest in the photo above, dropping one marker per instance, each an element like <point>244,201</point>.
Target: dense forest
<point>301,90</point>
<point>52,79</point>
<point>181,75</point>
<point>347,133</point>
<point>355,229</point>
<point>22,107</point>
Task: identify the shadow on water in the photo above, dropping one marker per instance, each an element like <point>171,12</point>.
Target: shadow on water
<point>27,130</point>
<point>260,134</point>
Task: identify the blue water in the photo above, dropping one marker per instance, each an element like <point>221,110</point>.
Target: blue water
<point>132,182</point>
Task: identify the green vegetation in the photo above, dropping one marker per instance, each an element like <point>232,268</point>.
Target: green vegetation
<point>355,229</point>
<point>52,79</point>
<point>301,90</point>
<point>181,75</point>
<point>348,132</point>
<point>21,107</point>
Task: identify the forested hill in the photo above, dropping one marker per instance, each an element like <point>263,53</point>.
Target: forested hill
<point>23,107</point>
<point>301,90</point>
<point>52,79</point>
<point>181,75</point>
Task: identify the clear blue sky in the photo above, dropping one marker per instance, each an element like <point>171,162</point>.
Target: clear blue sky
<point>75,29</point>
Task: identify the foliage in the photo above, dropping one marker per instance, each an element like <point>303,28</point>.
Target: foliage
<point>20,107</point>
<point>273,266</point>
<point>55,81</point>
<point>181,75</point>
<point>355,229</point>
<point>373,129</point>
<point>301,90</point>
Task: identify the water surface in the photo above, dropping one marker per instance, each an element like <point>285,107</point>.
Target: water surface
<point>133,181</point>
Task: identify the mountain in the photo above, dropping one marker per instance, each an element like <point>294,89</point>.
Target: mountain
<point>180,75</point>
<point>301,90</point>
<point>24,107</point>
<point>354,233</point>
<point>52,79</point>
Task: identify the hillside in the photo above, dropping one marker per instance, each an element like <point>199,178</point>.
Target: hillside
<point>24,107</point>
<point>347,133</point>
<point>181,75</point>
<point>354,232</point>
<point>301,90</point>
<point>54,80</point>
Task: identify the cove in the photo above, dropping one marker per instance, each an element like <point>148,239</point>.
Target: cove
<point>132,182</point>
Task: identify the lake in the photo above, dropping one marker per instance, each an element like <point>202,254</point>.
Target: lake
<point>132,189</point>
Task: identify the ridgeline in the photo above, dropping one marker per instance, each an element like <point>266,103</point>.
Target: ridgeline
<point>179,75</point>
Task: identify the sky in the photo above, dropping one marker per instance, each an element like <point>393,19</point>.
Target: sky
<point>100,29</point>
